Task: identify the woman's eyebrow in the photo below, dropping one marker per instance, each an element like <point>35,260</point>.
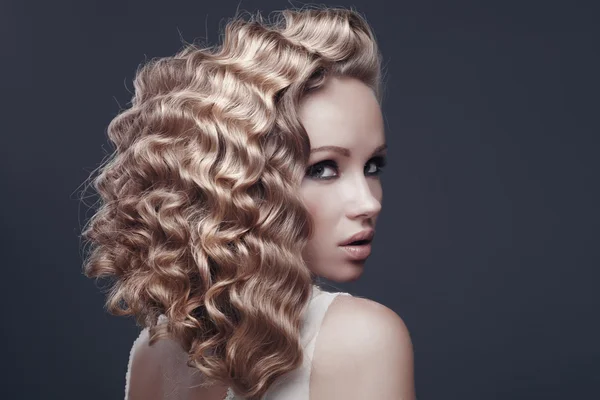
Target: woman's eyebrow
<point>343,150</point>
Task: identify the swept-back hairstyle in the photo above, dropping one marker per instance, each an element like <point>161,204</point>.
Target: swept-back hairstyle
<point>200,216</point>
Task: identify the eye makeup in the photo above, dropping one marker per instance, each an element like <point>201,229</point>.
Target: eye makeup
<point>311,172</point>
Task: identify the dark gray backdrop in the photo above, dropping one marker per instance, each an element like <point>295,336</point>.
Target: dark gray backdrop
<point>488,242</point>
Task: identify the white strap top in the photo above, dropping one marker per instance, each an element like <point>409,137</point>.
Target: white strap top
<point>295,384</point>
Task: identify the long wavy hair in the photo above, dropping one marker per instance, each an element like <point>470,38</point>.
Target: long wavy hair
<point>200,217</point>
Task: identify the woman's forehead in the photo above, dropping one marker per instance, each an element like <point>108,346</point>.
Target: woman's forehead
<point>340,112</point>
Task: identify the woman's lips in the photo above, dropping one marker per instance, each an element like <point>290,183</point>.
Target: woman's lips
<point>358,251</point>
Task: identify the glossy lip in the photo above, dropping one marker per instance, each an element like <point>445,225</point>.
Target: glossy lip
<point>367,234</point>
<point>358,252</point>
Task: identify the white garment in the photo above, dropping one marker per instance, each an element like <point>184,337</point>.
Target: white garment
<point>292,386</point>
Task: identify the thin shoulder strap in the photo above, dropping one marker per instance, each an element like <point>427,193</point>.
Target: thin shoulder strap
<point>315,317</point>
<point>230,395</point>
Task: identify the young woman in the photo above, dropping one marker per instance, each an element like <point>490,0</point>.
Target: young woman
<point>241,174</point>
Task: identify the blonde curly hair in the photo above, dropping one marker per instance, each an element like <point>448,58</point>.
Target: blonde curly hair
<point>200,216</point>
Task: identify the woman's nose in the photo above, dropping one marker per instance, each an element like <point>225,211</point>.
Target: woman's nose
<point>364,199</point>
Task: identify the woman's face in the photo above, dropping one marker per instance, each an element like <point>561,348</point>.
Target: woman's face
<point>342,189</point>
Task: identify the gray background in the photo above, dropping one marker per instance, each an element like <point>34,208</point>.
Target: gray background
<point>487,245</point>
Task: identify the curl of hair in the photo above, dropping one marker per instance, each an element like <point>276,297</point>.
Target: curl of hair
<point>200,217</point>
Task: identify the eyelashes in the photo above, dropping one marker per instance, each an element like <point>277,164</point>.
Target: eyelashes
<point>314,170</point>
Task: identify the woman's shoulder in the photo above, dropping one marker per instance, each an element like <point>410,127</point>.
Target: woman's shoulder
<point>145,376</point>
<point>361,315</point>
<point>360,345</point>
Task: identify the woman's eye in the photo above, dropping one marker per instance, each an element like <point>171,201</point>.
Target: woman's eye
<point>316,170</point>
<point>380,162</point>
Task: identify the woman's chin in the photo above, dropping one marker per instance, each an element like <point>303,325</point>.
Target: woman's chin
<point>349,272</point>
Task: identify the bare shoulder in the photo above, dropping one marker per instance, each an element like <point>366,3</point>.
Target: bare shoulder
<point>162,368</point>
<point>363,350</point>
<point>143,370</point>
